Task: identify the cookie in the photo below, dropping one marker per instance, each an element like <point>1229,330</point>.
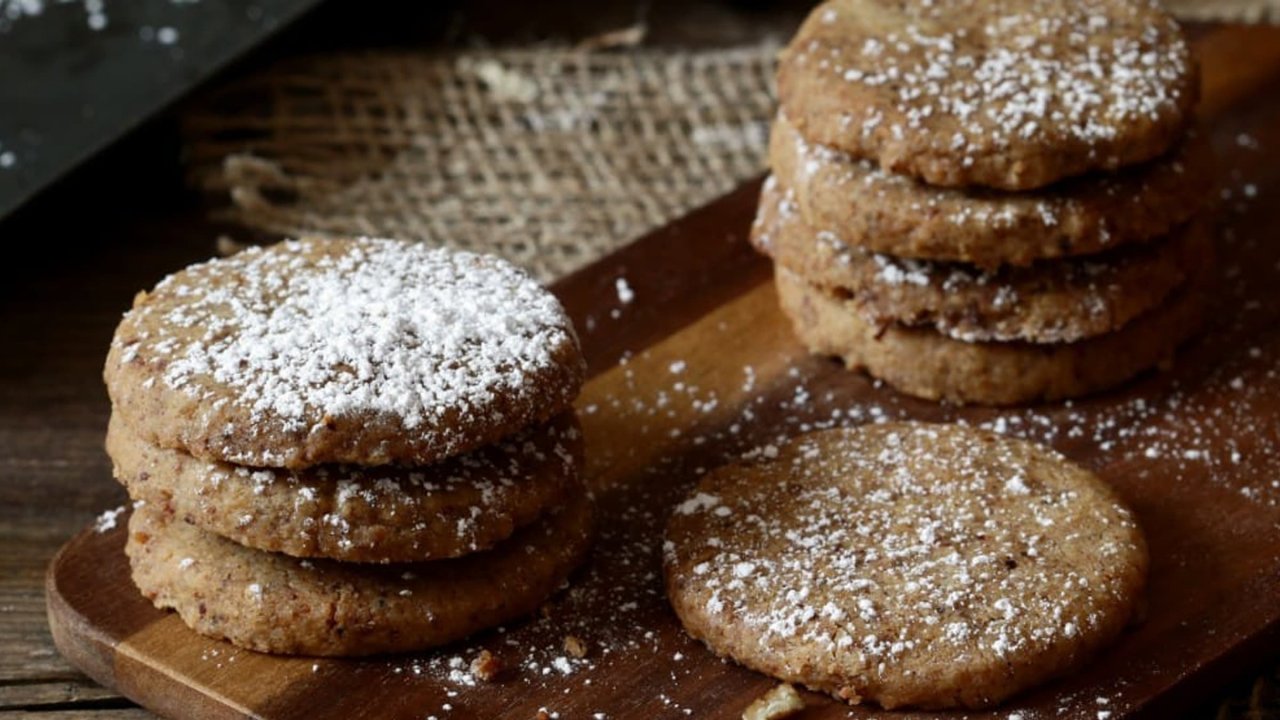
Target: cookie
<point>1053,301</point>
<point>1010,94</point>
<point>365,352</point>
<point>879,211</point>
<point>360,514</point>
<point>279,604</point>
<point>927,364</point>
<point>906,564</point>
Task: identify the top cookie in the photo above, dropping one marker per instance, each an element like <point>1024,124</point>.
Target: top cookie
<point>1012,94</point>
<point>365,352</point>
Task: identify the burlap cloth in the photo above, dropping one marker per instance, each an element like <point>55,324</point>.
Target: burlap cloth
<point>551,157</point>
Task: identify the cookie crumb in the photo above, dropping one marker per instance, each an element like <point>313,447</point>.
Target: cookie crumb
<point>486,666</point>
<point>574,646</point>
<point>780,702</point>
<point>849,695</point>
<point>107,520</point>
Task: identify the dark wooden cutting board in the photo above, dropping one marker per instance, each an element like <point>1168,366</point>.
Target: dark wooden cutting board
<point>692,363</point>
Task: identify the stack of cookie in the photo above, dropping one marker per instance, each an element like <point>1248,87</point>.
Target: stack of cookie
<point>348,447</point>
<point>989,202</point>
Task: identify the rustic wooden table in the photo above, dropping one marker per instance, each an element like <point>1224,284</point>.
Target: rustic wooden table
<point>76,259</point>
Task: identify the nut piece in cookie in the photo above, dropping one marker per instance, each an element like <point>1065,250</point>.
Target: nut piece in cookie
<point>905,564</point>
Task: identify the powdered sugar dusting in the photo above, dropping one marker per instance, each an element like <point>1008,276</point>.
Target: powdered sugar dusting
<point>901,271</point>
<point>967,78</point>
<point>625,293</point>
<point>903,544</point>
<point>310,332</point>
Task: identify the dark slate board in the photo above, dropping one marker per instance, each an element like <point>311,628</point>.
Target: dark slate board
<point>68,90</point>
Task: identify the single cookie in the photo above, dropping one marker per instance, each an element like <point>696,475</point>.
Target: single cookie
<point>1011,94</point>
<point>906,564</point>
<point>869,208</point>
<point>367,352</point>
<point>279,604</point>
<point>926,364</point>
<point>360,514</point>
<point>1053,301</point>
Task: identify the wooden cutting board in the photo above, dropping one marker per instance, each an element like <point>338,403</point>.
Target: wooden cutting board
<point>692,364</point>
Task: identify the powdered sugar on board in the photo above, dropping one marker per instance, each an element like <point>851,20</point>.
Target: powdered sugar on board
<point>308,333</point>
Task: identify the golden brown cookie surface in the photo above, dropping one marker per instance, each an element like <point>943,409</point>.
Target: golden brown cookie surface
<point>926,364</point>
<point>880,211</point>
<point>1012,94</point>
<point>905,564</point>
<point>279,604</point>
<point>366,352</point>
<point>1052,301</point>
<point>388,514</point>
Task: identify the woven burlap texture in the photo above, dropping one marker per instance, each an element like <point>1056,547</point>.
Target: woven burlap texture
<point>549,157</point>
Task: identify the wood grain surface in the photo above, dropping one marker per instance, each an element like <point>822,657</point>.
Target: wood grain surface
<point>699,367</point>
